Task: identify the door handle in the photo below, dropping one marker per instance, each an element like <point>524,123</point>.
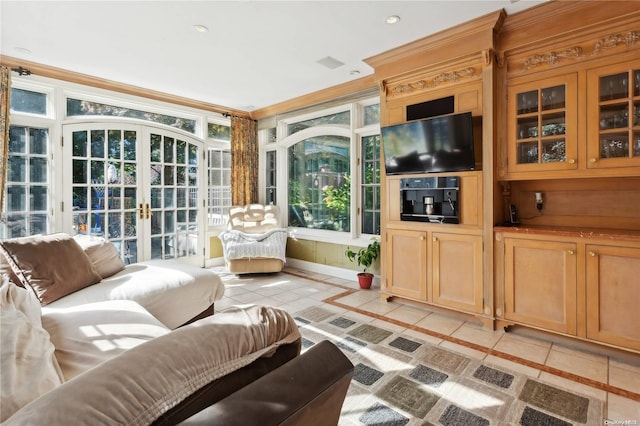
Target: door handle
<point>140,212</point>
<point>148,211</point>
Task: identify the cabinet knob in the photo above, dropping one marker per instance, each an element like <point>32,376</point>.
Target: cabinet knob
<point>435,239</point>
<point>421,238</point>
<point>592,253</point>
<point>571,252</point>
<point>572,161</point>
<point>592,160</point>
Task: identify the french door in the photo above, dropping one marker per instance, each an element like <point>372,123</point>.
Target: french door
<point>136,186</point>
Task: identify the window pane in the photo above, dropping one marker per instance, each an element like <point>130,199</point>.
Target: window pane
<point>371,114</point>
<point>114,150</point>
<point>271,171</point>
<point>219,194</point>
<point>17,140</point>
<point>17,167</point>
<point>28,101</point>
<point>271,135</point>
<point>38,139</point>
<point>341,118</point>
<point>370,179</point>
<point>76,107</point>
<point>320,184</point>
<point>219,132</point>
<point>38,170</point>
<point>27,191</point>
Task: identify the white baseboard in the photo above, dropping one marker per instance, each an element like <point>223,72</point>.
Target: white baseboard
<point>334,271</point>
<point>216,261</point>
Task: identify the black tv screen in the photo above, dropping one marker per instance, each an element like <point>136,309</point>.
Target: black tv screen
<point>438,144</point>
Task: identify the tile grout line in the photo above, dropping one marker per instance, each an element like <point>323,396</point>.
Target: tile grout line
<point>489,351</point>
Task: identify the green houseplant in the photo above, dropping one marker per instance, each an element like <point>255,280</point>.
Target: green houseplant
<point>364,257</point>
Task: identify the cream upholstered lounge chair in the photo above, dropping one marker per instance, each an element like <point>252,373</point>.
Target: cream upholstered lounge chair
<point>254,241</point>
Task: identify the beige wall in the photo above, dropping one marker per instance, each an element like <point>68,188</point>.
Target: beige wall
<point>310,251</point>
<point>215,248</point>
<point>323,253</point>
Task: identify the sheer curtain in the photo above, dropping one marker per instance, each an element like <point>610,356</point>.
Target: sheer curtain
<point>5,104</point>
<point>244,161</point>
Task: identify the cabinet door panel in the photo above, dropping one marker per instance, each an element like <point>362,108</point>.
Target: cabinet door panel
<point>540,283</point>
<point>457,271</point>
<point>613,295</point>
<point>407,264</point>
<point>543,125</point>
<point>614,116</point>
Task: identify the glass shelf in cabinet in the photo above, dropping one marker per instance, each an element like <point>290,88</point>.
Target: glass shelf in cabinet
<point>527,153</point>
<point>554,151</point>
<point>553,124</point>
<point>614,145</point>
<point>614,87</point>
<point>614,116</point>
<point>527,102</point>
<point>553,98</point>
<point>528,127</point>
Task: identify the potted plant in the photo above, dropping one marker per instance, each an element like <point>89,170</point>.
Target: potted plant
<point>364,257</point>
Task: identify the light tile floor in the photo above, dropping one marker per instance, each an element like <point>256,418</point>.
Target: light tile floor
<point>590,369</point>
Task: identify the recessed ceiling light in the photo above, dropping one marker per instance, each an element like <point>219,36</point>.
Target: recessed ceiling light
<point>393,19</point>
<point>201,28</point>
<point>354,72</point>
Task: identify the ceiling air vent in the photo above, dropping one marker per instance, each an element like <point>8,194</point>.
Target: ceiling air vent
<point>331,63</point>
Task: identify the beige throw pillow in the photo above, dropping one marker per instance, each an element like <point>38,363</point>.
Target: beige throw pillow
<point>29,367</point>
<point>51,265</point>
<point>103,254</point>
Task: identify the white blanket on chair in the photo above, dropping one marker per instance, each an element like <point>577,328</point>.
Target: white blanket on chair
<point>240,245</point>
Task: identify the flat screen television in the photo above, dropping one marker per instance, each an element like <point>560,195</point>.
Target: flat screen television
<point>438,144</point>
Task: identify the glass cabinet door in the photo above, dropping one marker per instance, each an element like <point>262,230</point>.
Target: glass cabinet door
<point>542,125</point>
<point>614,113</point>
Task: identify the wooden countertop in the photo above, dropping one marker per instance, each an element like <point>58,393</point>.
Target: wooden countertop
<point>602,234</point>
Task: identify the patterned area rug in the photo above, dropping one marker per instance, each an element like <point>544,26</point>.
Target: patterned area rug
<point>403,380</point>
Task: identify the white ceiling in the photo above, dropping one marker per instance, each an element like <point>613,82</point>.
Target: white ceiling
<point>255,54</point>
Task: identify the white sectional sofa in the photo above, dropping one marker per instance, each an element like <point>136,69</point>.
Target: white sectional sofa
<point>86,340</point>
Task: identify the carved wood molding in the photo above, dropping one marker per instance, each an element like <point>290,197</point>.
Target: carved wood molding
<point>551,58</point>
<point>423,84</point>
<point>577,52</point>
<point>613,40</point>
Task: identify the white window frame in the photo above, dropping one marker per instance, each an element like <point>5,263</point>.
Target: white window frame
<point>354,132</point>
<point>57,93</point>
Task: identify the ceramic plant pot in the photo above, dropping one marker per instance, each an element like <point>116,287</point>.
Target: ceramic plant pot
<point>365,279</point>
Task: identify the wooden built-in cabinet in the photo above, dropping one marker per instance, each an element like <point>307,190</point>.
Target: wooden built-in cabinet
<point>439,264</point>
<point>552,135</point>
<point>540,283</point>
<point>558,113</point>
<point>406,264</point>
<point>572,136</point>
<point>542,125</point>
<point>571,284</point>
<point>456,264</point>
<point>613,288</point>
<point>441,268</point>
<point>614,116</point>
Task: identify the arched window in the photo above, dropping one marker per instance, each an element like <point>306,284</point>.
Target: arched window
<point>320,183</point>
